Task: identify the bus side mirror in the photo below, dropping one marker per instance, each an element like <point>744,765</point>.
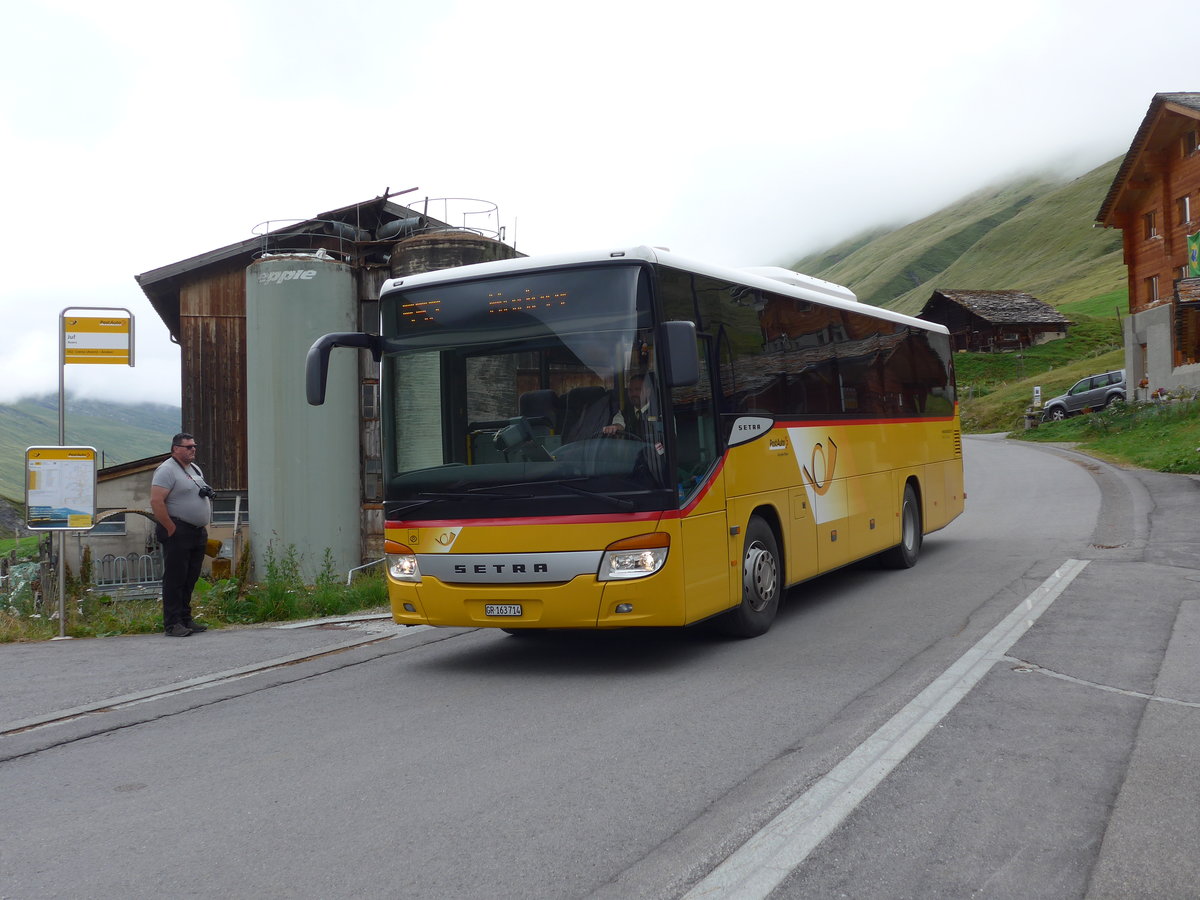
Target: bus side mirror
<point>677,341</point>
<point>316,364</point>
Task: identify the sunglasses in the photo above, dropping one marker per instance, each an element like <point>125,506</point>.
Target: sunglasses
<point>188,446</point>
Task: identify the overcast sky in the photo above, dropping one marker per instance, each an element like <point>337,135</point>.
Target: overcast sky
<point>139,134</point>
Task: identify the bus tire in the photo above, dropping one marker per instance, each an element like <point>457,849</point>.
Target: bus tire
<point>762,583</point>
<point>904,555</point>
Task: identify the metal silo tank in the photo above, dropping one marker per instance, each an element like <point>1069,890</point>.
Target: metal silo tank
<point>302,461</point>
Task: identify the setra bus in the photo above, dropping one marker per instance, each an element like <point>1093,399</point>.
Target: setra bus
<point>630,438</point>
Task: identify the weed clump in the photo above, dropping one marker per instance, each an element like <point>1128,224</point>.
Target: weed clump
<point>282,595</point>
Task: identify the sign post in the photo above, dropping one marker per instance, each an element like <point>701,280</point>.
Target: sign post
<point>60,495</point>
<point>106,339</point>
<point>91,340</point>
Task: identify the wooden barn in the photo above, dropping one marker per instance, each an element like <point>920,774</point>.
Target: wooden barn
<point>994,320</point>
<point>208,303</point>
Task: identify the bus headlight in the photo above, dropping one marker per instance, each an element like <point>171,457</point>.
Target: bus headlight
<point>401,563</point>
<point>634,557</point>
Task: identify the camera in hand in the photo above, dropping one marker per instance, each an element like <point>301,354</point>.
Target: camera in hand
<point>206,492</point>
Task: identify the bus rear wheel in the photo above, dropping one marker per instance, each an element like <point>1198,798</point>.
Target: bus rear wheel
<point>904,555</point>
<point>761,583</point>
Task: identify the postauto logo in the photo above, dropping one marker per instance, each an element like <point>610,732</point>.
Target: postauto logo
<point>286,275</point>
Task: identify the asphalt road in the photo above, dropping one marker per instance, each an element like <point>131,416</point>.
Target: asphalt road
<point>1040,659</point>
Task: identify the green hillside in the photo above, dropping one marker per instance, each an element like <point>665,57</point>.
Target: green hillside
<point>121,432</point>
<point>1034,234</point>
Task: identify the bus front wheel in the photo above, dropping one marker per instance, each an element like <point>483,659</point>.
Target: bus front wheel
<point>761,583</point>
<point>904,555</point>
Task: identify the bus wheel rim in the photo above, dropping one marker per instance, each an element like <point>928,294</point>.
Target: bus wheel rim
<point>760,576</point>
<point>910,526</point>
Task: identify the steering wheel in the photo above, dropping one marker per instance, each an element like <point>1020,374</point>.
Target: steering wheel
<point>623,434</point>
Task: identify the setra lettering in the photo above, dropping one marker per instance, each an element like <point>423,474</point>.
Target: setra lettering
<point>501,568</point>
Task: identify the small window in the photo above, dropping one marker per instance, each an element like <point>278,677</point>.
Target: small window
<point>370,400</point>
<point>226,508</point>
<point>1188,143</point>
<point>1184,206</point>
<point>111,525</point>
<point>373,480</point>
<point>1150,223</point>
<point>1151,288</point>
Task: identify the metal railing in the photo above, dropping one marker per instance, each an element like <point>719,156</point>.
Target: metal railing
<point>350,574</point>
<point>481,217</point>
<point>133,575</point>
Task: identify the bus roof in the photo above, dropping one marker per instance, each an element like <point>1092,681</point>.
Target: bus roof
<point>767,278</point>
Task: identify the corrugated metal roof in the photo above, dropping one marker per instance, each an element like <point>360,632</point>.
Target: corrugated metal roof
<point>161,286</point>
<point>1187,103</point>
<point>1188,290</point>
<point>118,470</point>
<point>1003,307</point>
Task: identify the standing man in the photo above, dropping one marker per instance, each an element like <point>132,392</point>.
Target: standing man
<point>181,502</point>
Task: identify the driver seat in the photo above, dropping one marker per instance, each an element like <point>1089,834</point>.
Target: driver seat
<point>588,409</point>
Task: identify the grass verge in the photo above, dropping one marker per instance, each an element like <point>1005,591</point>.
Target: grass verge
<point>1163,436</point>
<point>281,596</point>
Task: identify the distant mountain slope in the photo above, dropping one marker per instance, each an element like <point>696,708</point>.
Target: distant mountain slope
<point>121,432</point>
<point>1033,234</point>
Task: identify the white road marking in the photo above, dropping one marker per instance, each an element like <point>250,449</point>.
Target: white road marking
<point>761,864</point>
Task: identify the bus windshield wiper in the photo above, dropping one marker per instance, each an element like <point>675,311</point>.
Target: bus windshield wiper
<point>403,506</point>
<point>571,484</point>
<point>473,494</point>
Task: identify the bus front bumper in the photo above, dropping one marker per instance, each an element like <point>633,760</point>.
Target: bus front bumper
<point>583,602</point>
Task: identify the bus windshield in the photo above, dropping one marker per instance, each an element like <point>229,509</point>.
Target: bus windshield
<point>523,395</point>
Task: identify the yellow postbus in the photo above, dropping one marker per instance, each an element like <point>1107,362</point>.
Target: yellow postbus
<point>630,438</point>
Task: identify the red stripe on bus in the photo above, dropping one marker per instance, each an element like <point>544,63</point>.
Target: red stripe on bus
<point>651,516</point>
<point>827,423</point>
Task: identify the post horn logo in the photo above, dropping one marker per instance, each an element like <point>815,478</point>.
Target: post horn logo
<point>824,467</point>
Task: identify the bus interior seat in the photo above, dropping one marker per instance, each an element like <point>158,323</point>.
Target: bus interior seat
<point>588,409</point>
<point>541,407</point>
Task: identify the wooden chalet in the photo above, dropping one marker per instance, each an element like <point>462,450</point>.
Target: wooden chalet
<point>1155,201</point>
<point>994,320</point>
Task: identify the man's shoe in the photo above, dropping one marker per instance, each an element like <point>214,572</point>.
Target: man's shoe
<point>178,630</point>
<point>195,626</point>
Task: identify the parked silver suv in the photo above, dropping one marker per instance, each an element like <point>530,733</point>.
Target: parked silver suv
<point>1087,394</point>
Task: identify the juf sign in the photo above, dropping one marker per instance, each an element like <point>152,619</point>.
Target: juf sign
<point>97,340</point>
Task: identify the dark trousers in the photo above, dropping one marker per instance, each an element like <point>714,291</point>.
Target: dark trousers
<point>183,552</point>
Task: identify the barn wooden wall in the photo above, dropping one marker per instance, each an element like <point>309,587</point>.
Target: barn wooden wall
<point>212,336</point>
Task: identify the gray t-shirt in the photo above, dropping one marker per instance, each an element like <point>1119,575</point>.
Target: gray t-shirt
<point>183,492</point>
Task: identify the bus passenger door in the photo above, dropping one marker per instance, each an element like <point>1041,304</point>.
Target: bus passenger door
<point>701,487</point>
<point>707,573</point>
